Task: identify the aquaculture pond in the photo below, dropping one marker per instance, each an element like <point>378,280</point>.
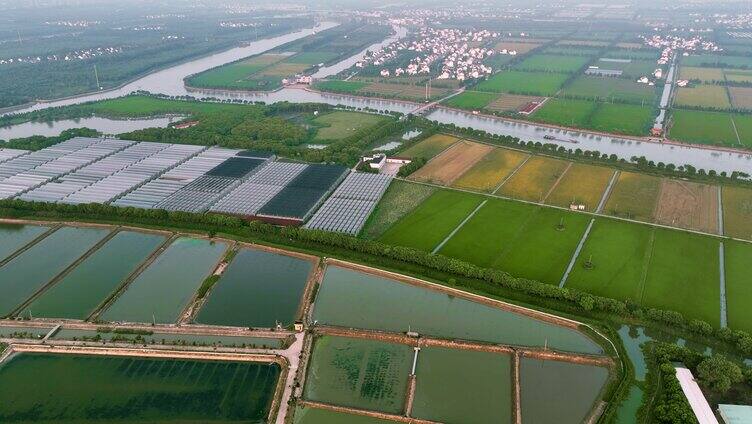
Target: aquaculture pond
<point>363,374</point>
<point>325,416</point>
<point>24,332</point>
<point>164,289</point>
<point>568,391</point>
<point>171,338</point>
<point>96,389</point>
<point>15,237</point>
<point>463,387</point>
<point>80,292</point>
<point>350,298</point>
<point>258,289</point>
<point>30,271</point>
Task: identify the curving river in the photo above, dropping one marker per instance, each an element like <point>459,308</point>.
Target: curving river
<point>170,82</point>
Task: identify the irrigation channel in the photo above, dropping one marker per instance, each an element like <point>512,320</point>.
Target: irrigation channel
<point>170,81</point>
<point>399,337</point>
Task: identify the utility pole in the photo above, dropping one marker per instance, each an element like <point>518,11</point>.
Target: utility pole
<point>19,36</point>
<point>96,76</point>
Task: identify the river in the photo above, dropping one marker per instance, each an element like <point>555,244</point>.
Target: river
<point>170,82</point>
<point>103,125</point>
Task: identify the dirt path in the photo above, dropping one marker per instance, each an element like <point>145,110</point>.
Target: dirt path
<point>517,393</point>
<point>607,192</point>
<point>511,174</point>
<point>722,278</point>
<point>576,254</point>
<point>459,227</point>
<point>556,183</point>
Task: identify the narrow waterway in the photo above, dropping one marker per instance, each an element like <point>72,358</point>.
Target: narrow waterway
<point>103,125</point>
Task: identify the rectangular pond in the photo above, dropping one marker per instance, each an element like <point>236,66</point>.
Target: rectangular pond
<point>158,338</point>
<point>80,292</point>
<point>568,391</point>
<point>258,289</point>
<point>16,236</point>
<point>463,387</point>
<point>25,274</point>
<point>164,289</point>
<point>22,332</point>
<point>357,373</point>
<point>325,416</point>
<point>96,389</point>
<point>349,298</point>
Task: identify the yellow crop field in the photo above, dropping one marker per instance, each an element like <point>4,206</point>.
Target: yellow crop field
<point>581,185</point>
<point>490,171</point>
<point>430,147</point>
<point>737,212</point>
<point>453,162</point>
<point>634,196</point>
<point>534,179</point>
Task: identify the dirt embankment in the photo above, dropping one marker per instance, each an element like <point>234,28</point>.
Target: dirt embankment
<point>373,414</point>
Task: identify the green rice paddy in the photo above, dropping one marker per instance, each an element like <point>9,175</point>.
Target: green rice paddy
<point>463,387</point>
<point>552,63</point>
<point>738,285</point>
<point>567,390</point>
<point>96,389</point>
<point>15,237</point>
<point>349,298</point>
<point>471,100</point>
<point>611,90</point>
<point>25,274</point>
<point>565,112</point>
<point>518,82</point>
<point>164,289</point>
<point>81,291</point>
<point>258,289</point>
<point>364,374</point>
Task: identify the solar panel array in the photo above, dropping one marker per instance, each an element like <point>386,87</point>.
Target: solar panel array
<point>8,154</point>
<point>347,210</point>
<point>251,195</point>
<point>93,173</point>
<point>34,177</point>
<point>121,182</point>
<point>150,194</point>
<point>205,191</point>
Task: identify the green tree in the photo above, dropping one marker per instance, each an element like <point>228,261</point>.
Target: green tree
<point>718,373</point>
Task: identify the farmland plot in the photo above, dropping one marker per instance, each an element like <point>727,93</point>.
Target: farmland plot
<point>622,118</point>
<point>535,179</point>
<point>529,83</point>
<point>741,97</point>
<point>452,163</point>
<point>611,89</point>
<point>738,285</point>
<point>688,205</point>
<point>703,127</point>
<point>474,100</point>
<point>430,147</point>
<point>519,47</point>
<point>400,199</point>
<point>565,112</point>
<point>512,102</point>
<point>711,96</point>
<point>701,74</point>
<point>491,170</point>
<point>634,196</point>
<point>552,63</point>
<point>581,185</point>
<point>737,212</point>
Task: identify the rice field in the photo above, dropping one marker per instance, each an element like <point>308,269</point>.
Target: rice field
<point>363,374</point>
<point>477,392</point>
<point>512,102</point>
<point>611,90</point>
<point>701,74</point>
<point>717,61</point>
<point>519,47</point>
<point>738,285</point>
<point>581,185</point>
<point>634,196</point>
<point>741,97</point>
<point>565,112</point>
<point>400,199</point>
<point>738,75</point>
<point>518,82</point>
<point>337,86</point>
<point>622,118</point>
<point>429,147</point>
<point>473,100</point>
<point>535,179</point>
<point>709,96</point>
<point>445,168</point>
<point>552,63</point>
<point>428,224</point>
<point>737,212</point>
<point>491,170</point>
<point>684,204</point>
<point>701,127</point>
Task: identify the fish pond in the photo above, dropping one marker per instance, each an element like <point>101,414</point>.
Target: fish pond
<point>258,289</point>
<point>463,387</point>
<point>33,269</point>
<point>362,374</point>
<point>166,287</point>
<point>95,389</point>
<point>15,236</point>
<point>568,391</point>
<point>325,416</point>
<point>349,298</point>
<point>168,338</point>
<point>80,292</point>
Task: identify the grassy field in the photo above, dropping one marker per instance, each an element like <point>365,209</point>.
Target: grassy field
<point>738,75</point>
<point>688,264</point>
<point>312,58</point>
<point>535,83</point>
<point>340,86</point>
<point>519,238</point>
<point>473,100</point>
<point>582,184</point>
<point>535,179</point>
<point>236,75</point>
<point>430,147</point>
<point>701,74</point>
<point>703,127</point>
<point>741,97</point>
<point>738,285</point>
<point>704,95</point>
<point>717,61</point>
<point>143,106</point>
<point>565,112</point>
<point>611,89</point>
<point>634,54</point>
<point>737,212</point>
<point>432,221</point>
<point>445,168</point>
<point>400,199</point>
<point>365,374</point>
<point>402,91</point>
<point>632,70</point>
<point>634,196</point>
<point>622,118</point>
<point>618,252</point>
<point>552,63</point>
<point>511,102</point>
<point>567,50</point>
<point>340,124</point>
<point>490,171</point>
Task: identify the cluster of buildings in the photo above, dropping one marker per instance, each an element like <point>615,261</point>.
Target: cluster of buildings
<point>73,24</point>
<point>668,44</point>
<point>75,55</point>
<point>457,52</point>
<point>238,24</point>
<point>739,21</point>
